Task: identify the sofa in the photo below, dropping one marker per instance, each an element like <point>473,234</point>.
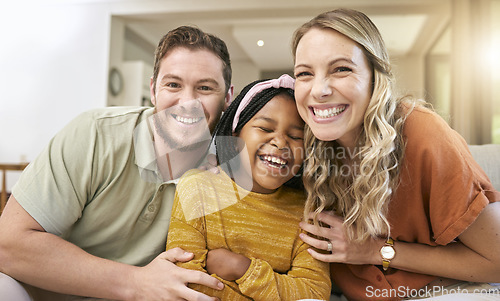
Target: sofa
<point>488,157</point>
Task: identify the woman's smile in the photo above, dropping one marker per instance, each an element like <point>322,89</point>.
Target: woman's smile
<point>333,85</point>
<point>328,114</point>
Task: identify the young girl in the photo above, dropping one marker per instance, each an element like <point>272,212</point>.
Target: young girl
<point>242,224</point>
<point>407,212</point>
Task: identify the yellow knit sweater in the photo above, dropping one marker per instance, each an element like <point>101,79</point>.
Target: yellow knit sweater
<point>210,212</point>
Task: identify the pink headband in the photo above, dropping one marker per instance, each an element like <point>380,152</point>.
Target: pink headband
<point>284,81</point>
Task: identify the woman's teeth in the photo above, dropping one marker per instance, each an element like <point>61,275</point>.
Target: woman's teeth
<point>327,113</point>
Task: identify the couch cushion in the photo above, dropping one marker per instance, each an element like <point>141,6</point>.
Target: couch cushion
<point>488,157</point>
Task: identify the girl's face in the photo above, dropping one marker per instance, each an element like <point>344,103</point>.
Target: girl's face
<point>274,139</point>
<point>333,85</point>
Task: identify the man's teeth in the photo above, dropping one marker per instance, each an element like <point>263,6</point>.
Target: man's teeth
<point>275,160</point>
<point>187,120</point>
<point>327,113</point>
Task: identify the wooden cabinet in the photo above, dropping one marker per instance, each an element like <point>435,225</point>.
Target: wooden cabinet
<point>4,168</point>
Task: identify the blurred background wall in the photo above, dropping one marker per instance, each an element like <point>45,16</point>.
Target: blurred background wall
<point>56,56</point>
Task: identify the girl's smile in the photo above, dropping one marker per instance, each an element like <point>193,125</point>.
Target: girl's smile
<point>274,141</point>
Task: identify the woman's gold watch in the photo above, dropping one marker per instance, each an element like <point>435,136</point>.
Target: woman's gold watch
<point>388,253</point>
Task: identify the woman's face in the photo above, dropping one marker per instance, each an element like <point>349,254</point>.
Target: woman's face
<point>333,85</point>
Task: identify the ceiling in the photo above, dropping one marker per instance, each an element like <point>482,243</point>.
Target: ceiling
<point>409,27</point>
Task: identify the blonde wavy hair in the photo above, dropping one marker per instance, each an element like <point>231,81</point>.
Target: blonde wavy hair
<point>362,196</point>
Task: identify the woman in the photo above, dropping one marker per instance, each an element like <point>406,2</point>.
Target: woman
<point>404,211</point>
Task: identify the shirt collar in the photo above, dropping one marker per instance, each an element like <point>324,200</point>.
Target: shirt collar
<point>145,157</point>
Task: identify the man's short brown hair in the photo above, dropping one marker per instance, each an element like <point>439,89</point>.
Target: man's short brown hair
<point>194,39</point>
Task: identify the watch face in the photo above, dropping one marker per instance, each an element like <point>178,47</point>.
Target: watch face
<point>387,252</point>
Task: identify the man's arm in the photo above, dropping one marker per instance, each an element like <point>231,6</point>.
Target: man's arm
<point>31,255</point>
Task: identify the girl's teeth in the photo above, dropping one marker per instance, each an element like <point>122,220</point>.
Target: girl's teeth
<point>327,113</point>
<point>274,160</point>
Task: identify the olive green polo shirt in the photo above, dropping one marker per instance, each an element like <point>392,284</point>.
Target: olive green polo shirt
<point>94,188</point>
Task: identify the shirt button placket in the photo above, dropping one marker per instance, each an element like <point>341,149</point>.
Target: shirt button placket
<point>152,206</point>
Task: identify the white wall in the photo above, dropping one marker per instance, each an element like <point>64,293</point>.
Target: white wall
<point>54,60</point>
<point>409,72</point>
<point>244,72</point>
<point>53,65</point>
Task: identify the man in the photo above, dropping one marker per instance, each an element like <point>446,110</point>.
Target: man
<point>90,215</point>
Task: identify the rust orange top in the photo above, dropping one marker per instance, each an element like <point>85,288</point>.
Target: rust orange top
<point>442,191</point>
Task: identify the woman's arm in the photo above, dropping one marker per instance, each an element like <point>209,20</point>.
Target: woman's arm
<point>474,258</point>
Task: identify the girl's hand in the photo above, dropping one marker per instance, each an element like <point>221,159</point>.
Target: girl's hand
<point>226,264</point>
<point>343,250</point>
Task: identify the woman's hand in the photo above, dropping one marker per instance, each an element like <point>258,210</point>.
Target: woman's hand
<point>226,264</point>
<point>342,249</point>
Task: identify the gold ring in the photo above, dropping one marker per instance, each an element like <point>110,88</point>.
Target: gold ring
<point>329,248</point>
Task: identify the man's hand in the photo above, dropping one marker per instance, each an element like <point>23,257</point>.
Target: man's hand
<point>161,279</point>
<point>226,264</point>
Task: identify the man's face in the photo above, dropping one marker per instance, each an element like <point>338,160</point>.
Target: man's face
<point>189,96</point>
